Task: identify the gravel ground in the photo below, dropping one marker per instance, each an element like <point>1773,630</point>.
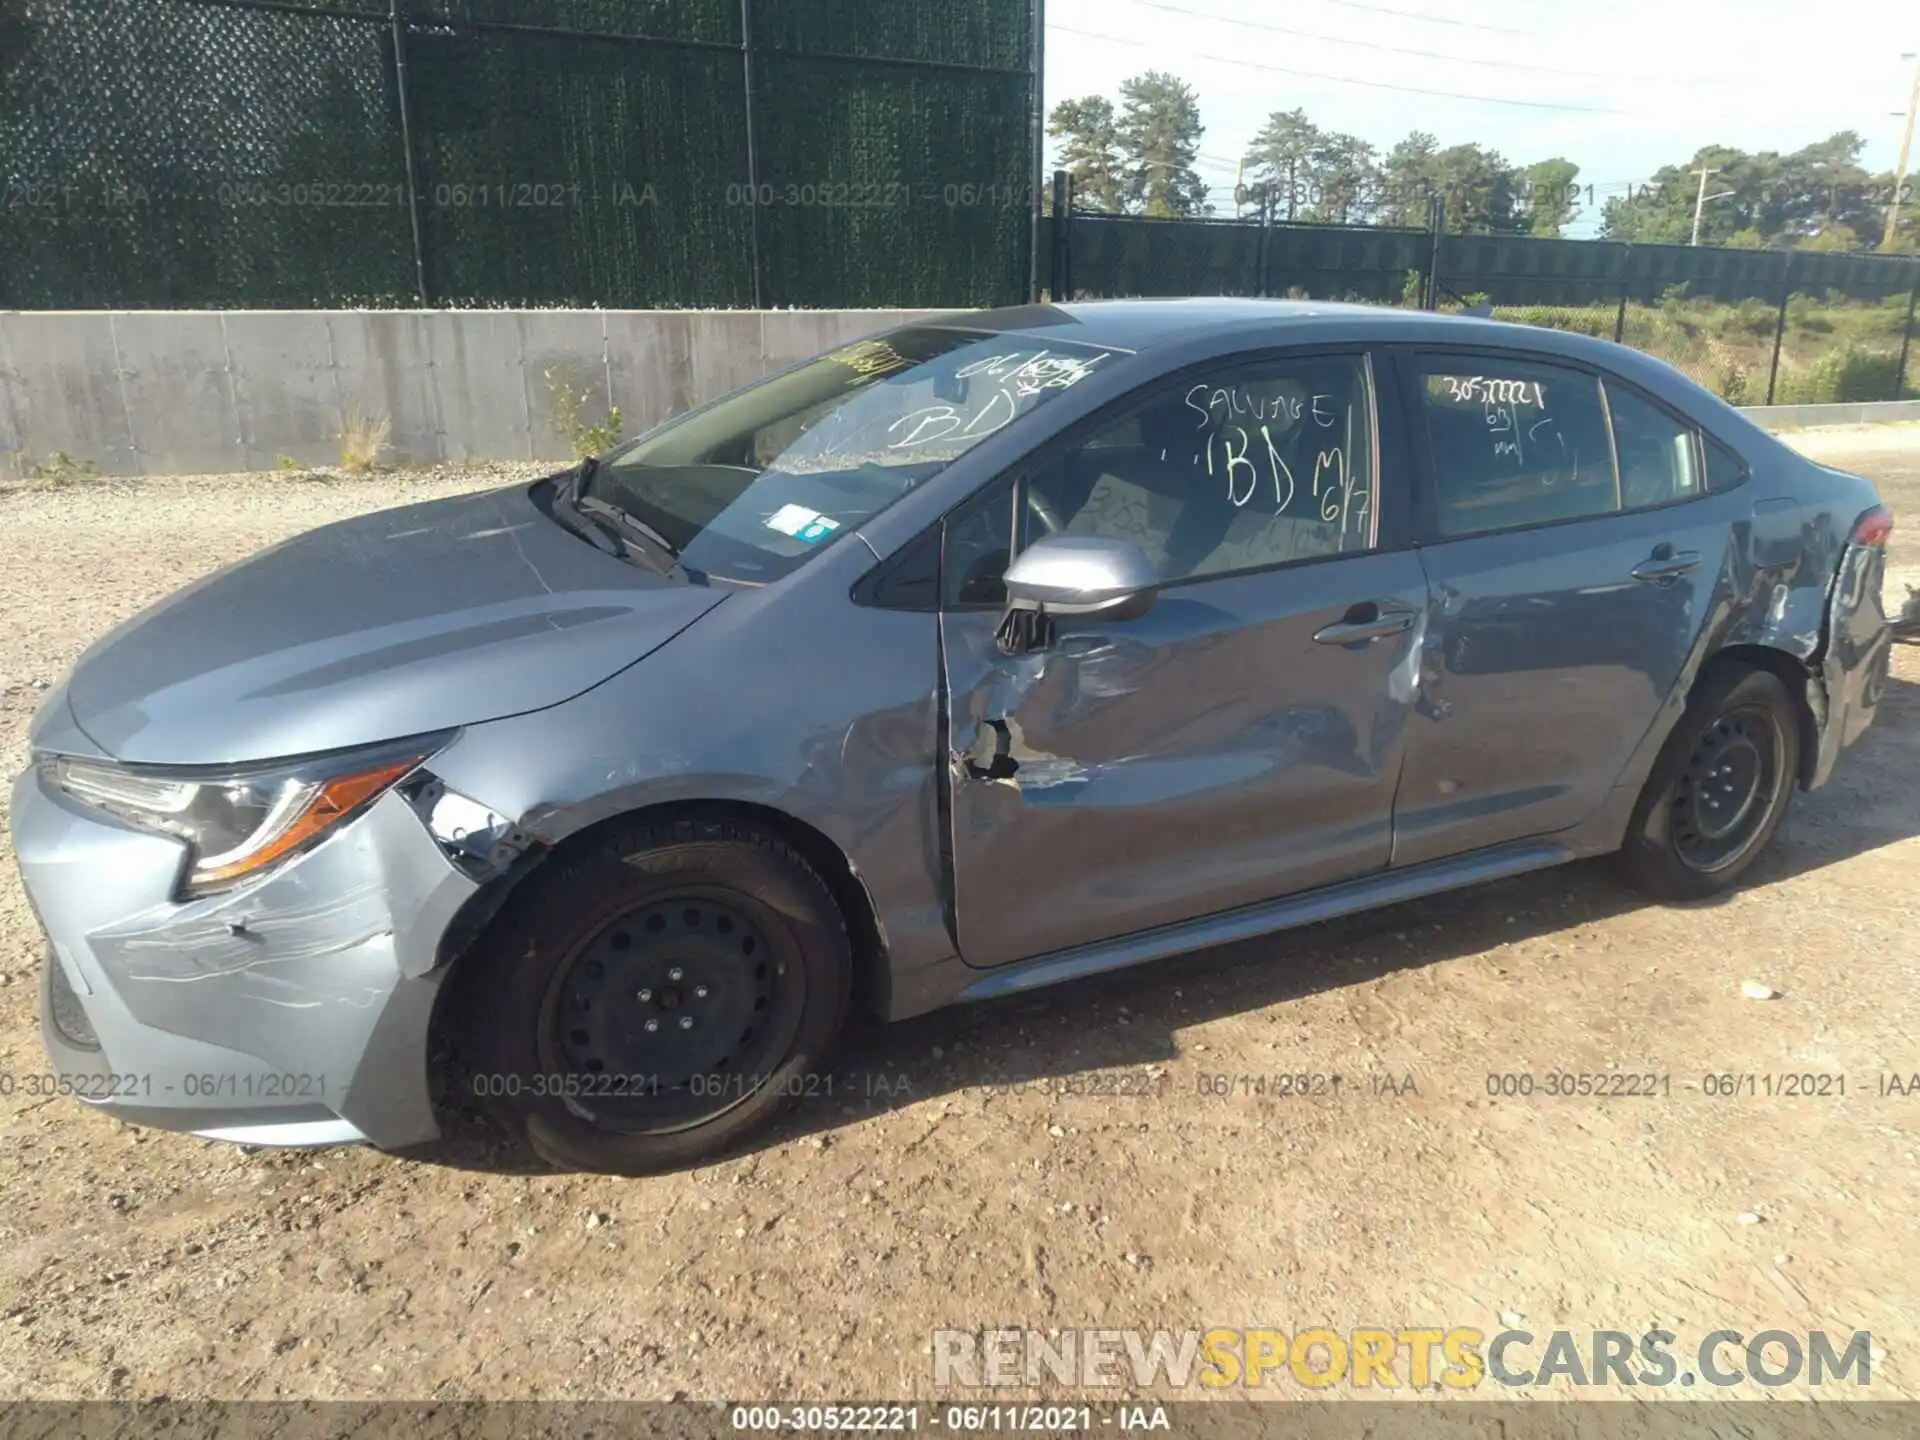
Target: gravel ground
<point>136,1264</point>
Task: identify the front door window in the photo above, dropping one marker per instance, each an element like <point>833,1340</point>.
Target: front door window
<point>1256,466</point>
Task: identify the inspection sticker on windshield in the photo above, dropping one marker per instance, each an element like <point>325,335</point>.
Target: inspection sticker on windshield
<point>807,526</point>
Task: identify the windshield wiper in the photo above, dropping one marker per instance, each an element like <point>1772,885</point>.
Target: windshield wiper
<point>607,521</point>
<point>626,524</point>
<point>570,486</point>
<point>570,518</point>
<point>597,531</point>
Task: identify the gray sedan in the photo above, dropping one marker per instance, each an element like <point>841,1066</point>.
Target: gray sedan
<point>987,653</point>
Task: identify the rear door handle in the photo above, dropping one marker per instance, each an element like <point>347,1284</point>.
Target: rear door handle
<point>1665,564</point>
<point>1364,623</point>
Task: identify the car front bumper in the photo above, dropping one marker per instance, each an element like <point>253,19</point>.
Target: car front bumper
<point>291,1011</point>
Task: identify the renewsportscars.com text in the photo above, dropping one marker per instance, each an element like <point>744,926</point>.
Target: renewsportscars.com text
<point>1402,1357</point>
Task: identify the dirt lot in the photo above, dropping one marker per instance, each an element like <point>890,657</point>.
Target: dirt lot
<point>141,1264</point>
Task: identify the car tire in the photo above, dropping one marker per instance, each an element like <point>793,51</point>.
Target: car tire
<point>581,1041</point>
<point>1719,790</point>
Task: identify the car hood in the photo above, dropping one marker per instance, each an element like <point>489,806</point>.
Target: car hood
<point>398,623</point>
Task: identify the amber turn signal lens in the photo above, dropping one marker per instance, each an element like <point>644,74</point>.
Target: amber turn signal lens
<point>323,806</point>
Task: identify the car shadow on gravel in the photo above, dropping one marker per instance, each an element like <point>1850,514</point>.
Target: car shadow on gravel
<point>1120,1024</point>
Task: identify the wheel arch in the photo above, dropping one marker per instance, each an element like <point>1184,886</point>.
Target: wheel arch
<point>872,982</point>
<point>1792,672</point>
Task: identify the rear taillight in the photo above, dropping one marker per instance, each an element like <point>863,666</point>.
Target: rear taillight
<point>1873,528</point>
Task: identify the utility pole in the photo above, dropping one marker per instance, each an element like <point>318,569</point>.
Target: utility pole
<point>1700,203</point>
<point>1900,166</point>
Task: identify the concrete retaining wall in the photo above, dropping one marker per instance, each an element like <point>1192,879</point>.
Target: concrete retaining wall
<point>165,392</point>
<point>1796,417</point>
<point>196,392</point>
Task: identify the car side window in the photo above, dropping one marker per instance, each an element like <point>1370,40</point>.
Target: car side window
<point>1658,457</point>
<point>1256,464</point>
<point>1513,443</point>
<point>978,542</point>
<point>1725,469</point>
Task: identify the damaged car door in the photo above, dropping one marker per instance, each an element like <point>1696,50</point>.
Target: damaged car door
<point>1231,734</point>
<point>1574,550</point>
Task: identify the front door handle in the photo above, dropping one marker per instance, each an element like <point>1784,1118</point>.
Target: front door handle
<point>1665,564</point>
<point>1364,623</point>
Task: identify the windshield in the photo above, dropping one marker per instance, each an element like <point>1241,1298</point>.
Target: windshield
<point>750,488</point>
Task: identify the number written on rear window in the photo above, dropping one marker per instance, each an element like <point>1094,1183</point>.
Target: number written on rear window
<point>1514,443</point>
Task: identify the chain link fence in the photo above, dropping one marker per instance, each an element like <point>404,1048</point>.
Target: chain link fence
<point>618,153</point>
<point>1755,326</point>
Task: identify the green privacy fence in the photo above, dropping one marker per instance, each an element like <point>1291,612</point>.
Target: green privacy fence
<point>1756,326</point>
<point>621,153</point>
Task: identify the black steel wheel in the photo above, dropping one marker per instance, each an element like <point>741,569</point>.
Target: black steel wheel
<point>1727,788</point>
<point>651,1000</point>
<point>1719,789</point>
<point>671,1013</point>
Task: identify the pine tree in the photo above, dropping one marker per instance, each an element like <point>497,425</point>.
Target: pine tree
<point>1091,153</point>
<point>1160,134</point>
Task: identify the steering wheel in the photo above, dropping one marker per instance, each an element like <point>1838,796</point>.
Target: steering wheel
<point>1042,510</point>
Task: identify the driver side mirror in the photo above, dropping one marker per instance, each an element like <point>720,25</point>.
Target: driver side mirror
<point>1074,575</point>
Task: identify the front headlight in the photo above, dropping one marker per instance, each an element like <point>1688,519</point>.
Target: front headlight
<point>242,822</point>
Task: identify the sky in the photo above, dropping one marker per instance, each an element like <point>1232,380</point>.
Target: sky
<point>1620,87</point>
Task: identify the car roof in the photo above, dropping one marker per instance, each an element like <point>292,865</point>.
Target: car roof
<point>1144,325</point>
<point>1233,323</point>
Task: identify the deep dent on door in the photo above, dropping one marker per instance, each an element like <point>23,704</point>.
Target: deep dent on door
<point>999,751</point>
<point>1036,693</point>
<point>1079,752</point>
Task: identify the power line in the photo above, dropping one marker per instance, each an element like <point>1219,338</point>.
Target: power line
<point>1506,65</point>
<point>1349,79</point>
<point>1429,19</point>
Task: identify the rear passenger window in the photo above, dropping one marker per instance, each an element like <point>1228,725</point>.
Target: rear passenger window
<point>1514,443</point>
<point>1659,460</point>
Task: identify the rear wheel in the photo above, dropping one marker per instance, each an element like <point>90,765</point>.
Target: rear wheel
<point>1719,789</point>
<point>660,996</point>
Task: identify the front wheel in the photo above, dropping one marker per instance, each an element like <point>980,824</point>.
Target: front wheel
<point>1719,789</point>
<point>659,997</point>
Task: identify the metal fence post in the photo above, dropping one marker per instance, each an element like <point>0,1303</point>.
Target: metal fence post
<point>1265,240</point>
<point>753,156</point>
<point>1906,335</point>
<point>398,24</point>
<point>1038,59</point>
<point>1436,226</point>
<point>1622,258</point>
<point>1060,285</point>
<point>1780,324</point>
